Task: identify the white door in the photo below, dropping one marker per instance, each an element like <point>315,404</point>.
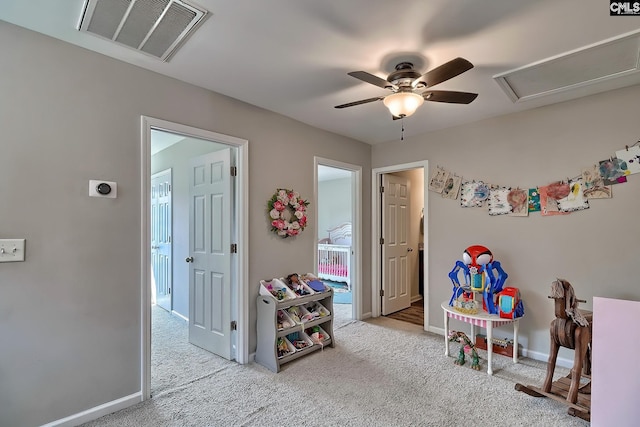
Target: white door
<point>161,251</point>
<point>396,275</point>
<point>210,253</point>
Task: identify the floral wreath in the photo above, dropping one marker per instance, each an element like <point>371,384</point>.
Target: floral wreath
<point>287,213</point>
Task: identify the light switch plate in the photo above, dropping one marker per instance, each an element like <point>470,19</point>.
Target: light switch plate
<point>11,250</point>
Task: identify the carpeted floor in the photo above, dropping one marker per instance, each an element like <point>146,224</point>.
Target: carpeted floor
<point>413,314</point>
<point>381,372</point>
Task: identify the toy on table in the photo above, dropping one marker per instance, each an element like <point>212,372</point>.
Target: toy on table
<point>294,282</point>
<point>510,306</point>
<point>467,346</point>
<point>482,275</point>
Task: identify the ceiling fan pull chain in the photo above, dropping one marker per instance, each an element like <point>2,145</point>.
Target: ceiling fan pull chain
<point>402,134</point>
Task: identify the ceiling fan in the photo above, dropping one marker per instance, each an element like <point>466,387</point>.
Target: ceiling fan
<point>406,82</point>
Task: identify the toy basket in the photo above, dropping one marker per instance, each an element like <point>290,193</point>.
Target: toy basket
<point>276,289</point>
<point>317,310</point>
<point>303,288</point>
<point>284,321</point>
<point>299,340</point>
<point>317,334</point>
<point>284,347</point>
<point>314,283</point>
<point>298,314</point>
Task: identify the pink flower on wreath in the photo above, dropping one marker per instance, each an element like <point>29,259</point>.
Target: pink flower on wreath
<point>278,205</point>
<point>293,232</point>
<point>303,221</point>
<point>301,207</point>
<point>278,223</point>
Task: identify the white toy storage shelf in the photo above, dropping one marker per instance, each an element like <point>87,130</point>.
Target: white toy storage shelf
<point>279,321</point>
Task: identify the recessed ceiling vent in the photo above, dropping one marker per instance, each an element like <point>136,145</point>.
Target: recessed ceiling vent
<point>599,63</point>
<point>155,27</point>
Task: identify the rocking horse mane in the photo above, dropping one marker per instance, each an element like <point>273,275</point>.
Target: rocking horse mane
<point>562,291</point>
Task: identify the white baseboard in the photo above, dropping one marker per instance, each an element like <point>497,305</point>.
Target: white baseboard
<point>175,313</point>
<point>97,412</point>
<point>366,315</point>
<point>535,355</point>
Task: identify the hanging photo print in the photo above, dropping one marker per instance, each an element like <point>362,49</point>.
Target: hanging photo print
<point>473,194</point>
<point>452,187</point>
<point>438,179</point>
<point>631,156</point>
<point>549,205</point>
<point>593,185</point>
<point>518,198</point>
<point>612,171</point>
<point>498,203</point>
<point>575,200</point>
<point>534,200</point>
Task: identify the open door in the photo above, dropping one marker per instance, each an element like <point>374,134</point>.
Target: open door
<point>210,257</point>
<point>161,248</point>
<point>396,274</point>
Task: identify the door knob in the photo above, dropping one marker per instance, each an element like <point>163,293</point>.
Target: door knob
<point>409,249</point>
<point>189,259</point>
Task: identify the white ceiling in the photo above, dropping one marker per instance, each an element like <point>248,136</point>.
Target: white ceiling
<point>292,56</point>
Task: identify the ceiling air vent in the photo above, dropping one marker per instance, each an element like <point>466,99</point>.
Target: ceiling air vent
<point>600,63</point>
<point>155,27</point>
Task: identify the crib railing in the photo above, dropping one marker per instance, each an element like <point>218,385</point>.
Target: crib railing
<point>334,263</point>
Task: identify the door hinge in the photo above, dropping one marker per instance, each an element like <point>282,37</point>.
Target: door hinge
<point>381,189</point>
<point>381,292</point>
<point>234,171</point>
<point>234,325</point>
<point>382,240</point>
<point>234,248</point>
<point>169,239</point>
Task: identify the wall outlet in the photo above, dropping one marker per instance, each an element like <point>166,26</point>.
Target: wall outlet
<point>11,250</point>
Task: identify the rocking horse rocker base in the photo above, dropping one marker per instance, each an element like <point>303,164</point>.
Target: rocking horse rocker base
<point>571,329</point>
<point>559,392</point>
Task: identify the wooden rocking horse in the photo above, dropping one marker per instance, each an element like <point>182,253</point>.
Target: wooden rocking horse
<point>571,329</point>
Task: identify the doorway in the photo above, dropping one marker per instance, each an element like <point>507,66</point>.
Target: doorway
<point>170,145</point>
<point>400,242</point>
<point>337,253</point>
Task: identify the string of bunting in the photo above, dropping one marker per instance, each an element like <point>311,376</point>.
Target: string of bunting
<point>557,198</point>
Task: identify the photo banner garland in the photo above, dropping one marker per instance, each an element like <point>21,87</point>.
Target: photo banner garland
<point>557,198</point>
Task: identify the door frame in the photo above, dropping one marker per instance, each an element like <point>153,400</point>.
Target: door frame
<point>356,227</point>
<point>239,265</point>
<point>376,226</point>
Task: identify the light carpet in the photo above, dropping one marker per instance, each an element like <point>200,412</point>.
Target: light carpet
<point>382,372</point>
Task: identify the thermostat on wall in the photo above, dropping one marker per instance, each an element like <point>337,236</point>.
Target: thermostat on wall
<point>98,188</point>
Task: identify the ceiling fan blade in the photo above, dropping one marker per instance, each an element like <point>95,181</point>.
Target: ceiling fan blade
<point>449,96</point>
<point>444,72</point>
<point>363,101</point>
<point>370,78</point>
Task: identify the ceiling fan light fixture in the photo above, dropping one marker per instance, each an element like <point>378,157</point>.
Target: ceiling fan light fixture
<point>403,104</point>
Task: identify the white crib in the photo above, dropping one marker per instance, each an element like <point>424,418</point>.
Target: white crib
<point>334,256</point>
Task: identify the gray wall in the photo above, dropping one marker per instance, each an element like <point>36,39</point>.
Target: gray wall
<point>70,315</point>
<point>334,204</point>
<point>177,158</point>
<point>596,249</point>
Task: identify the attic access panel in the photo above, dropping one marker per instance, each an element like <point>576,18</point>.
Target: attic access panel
<point>155,27</point>
<point>590,65</point>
